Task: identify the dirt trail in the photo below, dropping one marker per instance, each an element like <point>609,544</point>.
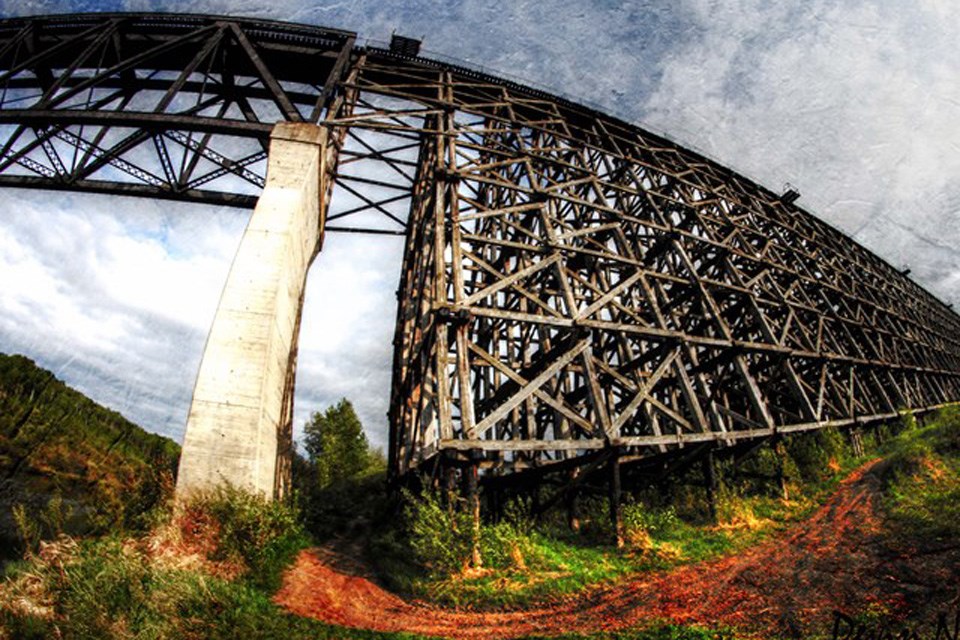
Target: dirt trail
<point>789,584</point>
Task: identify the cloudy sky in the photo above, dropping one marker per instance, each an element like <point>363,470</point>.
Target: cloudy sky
<point>855,103</point>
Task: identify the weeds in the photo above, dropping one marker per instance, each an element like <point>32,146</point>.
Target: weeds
<point>526,560</point>
<point>923,479</point>
<point>440,537</point>
<point>48,525</point>
<point>127,587</point>
<point>263,535</point>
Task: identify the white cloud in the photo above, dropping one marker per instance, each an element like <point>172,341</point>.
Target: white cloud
<point>347,329</point>
<point>93,291</point>
<point>118,300</point>
<point>855,103</point>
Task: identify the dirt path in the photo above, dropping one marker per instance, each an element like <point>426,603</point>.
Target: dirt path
<point>789,584</point>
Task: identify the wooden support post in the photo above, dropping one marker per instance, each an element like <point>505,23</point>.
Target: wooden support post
<point>450,488</point>
<point>781,454</point>
<point>616,514</point>
<point>856,441</point>
<point>664,483</point>
<point>472,472</point>
<point>878,432</point>
<point>710,482</point>
<point>573,501</point>
<point>535,507</point>
<point>494,503</point>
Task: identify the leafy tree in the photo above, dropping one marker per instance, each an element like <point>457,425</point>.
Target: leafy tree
<point>341,481</point>
<point>336,445</point>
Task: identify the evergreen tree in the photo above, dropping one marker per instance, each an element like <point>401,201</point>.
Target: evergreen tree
<point>336,445</point>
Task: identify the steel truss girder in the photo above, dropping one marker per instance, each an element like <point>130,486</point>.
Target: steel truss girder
<point>175,107</point>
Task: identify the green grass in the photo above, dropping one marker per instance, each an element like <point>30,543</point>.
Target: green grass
<point>264,536</point>
<point>552,568</point>
<point>108,590</point>
<point>524,563</point>
<point>922,480</point>
<point>124,587</point>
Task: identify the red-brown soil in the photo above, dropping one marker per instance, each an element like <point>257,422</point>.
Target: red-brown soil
<point>789,585</point>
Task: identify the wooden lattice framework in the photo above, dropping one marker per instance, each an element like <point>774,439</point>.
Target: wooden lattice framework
<point>573,286</point>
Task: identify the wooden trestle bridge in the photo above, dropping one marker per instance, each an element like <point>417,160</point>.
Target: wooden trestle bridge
<point>576,292</point>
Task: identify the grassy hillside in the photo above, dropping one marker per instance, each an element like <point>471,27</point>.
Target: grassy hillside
<point>211,567</point>
<point>70,462</point>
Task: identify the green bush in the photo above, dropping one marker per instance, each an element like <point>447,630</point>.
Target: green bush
<point>263,534</point>
<point>504,545</point>
<point>112,589</point>
<point>441,538</point>
<point>922,478</point>
<point>349,507</point>
<point>815,457</point>
<point>638,516</point>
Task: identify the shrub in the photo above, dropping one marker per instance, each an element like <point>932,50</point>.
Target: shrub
<point>346,507</point>
<point>654,521</point>
<point>815,457</point>
<point>263,534</point>
<point>440,537</point>
<point>923,478</point>
<point>505,545</point>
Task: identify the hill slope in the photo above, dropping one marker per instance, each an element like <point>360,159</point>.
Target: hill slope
<point>55,443</point>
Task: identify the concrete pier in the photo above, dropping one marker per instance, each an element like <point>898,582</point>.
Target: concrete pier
<point>239,421</point>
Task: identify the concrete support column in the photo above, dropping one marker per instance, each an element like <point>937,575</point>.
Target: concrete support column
<point>239,422</point>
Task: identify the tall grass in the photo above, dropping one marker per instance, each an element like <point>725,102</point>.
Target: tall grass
<point>263,536</point>
<point>207,569</point>
<point>922,481</point>
<point>427,551</point>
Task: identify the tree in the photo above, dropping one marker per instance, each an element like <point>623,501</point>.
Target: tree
<point>336,445</point>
